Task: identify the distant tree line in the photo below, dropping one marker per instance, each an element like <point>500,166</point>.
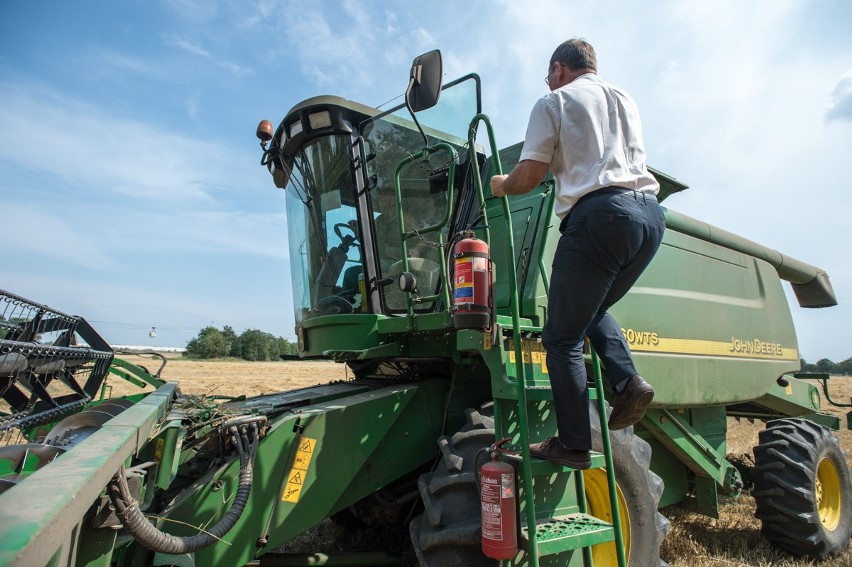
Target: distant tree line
<point>251,344</point>
<point>829,367</point>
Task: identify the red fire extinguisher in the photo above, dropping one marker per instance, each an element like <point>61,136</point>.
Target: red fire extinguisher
<point>497,498</point>
<point>472,289</point>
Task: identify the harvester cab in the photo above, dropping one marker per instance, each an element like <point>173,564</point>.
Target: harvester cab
<point>370,204</point>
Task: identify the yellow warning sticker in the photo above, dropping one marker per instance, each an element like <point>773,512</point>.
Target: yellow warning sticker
<point>538,357</point>
<point>298,472</point>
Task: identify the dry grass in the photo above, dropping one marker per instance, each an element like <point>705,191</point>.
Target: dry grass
<point>238,377</point>
<point>734,539</point>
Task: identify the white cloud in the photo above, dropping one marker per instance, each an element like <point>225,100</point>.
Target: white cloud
<point>423,39</point>
<point>29,230</point>
<point>840,103</point>
<point>328,52</point>
<point>391,23</point>
<point>186,45</point>
<point>195,12</point>
<point>135,309</point>
<point>194,49</point>
<point>102,188</point>
<point>348,49</point>
<point>91,149</point>
<point>214,232</point>
<point>110,60</point>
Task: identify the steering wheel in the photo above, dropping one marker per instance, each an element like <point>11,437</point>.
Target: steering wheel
<point>350,228</point>
<point>333,305</point>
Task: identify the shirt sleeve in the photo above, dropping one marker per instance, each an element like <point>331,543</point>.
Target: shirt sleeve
<point>542,133</point>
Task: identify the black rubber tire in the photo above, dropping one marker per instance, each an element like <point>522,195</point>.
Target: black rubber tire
<point>448,531</point>
<point>641,489</point>
<point>789,494</point>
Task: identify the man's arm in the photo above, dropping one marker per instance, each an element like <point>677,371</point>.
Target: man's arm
<point>527,175</point>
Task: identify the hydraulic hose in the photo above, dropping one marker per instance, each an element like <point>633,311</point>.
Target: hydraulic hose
<point>245,437</point>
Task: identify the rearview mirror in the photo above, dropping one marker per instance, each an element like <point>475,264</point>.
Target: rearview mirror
<point>424,88</point>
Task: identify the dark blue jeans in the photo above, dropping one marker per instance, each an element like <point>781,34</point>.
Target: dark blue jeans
<point>608,240</point>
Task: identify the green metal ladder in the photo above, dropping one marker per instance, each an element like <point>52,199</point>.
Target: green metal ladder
<point>541,537</point>
<point>547,536</point>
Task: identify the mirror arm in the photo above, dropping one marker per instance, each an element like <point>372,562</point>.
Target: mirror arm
<point>415,74</point>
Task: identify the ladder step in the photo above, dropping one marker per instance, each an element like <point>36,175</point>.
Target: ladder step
<point>540,467</point>
<point>555,535</point>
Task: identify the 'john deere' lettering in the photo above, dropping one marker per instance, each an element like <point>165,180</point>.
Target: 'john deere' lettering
<point>755,346</point>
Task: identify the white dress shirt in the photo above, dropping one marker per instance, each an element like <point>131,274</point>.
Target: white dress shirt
<point>591,135</point>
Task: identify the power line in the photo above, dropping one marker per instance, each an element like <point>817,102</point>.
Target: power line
<point>171,328</point>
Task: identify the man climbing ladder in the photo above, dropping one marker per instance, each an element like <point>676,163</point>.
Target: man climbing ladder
<point>588,134</point>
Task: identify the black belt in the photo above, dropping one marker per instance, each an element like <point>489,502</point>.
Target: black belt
<point>605,191</point>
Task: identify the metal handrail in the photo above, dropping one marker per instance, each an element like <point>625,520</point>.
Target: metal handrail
<point>425,152</point>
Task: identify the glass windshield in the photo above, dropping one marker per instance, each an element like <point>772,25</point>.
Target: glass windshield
<point>391,138</point>
<point>325,250</point>
<point>325,218</point>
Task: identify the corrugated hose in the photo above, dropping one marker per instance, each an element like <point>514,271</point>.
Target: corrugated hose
<point>245,436</point>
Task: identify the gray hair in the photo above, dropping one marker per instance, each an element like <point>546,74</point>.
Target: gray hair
<point>576,54</point>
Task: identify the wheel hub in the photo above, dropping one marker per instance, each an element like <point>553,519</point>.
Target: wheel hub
<point>828,494</point>
<point>597,502</point>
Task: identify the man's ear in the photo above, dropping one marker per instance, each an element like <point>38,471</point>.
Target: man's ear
<point>559,72</point>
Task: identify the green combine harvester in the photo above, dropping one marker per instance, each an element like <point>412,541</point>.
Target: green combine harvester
<point>434,294</point>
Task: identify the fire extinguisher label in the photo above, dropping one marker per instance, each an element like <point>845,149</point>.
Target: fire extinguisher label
<point>464,281</point>
<point>492,519</point>
<point>480,264</point>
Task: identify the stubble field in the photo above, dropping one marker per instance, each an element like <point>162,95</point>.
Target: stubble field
<point>733,540</point>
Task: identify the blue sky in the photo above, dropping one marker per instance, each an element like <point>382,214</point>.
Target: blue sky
<point>132,193</point>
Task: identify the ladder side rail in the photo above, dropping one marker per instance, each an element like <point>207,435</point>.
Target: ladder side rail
<point>497,169</point>
<point>610,467</point>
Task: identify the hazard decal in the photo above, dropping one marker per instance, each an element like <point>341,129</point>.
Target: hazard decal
<point>298,472</point>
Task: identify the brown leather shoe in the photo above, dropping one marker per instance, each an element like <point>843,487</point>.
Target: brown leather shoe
<point>552,450</point>
<point>629,406</point>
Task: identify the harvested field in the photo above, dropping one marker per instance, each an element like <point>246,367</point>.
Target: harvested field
<point>238,377</point>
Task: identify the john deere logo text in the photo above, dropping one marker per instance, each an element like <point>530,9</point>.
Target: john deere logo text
<point>755,346</point>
